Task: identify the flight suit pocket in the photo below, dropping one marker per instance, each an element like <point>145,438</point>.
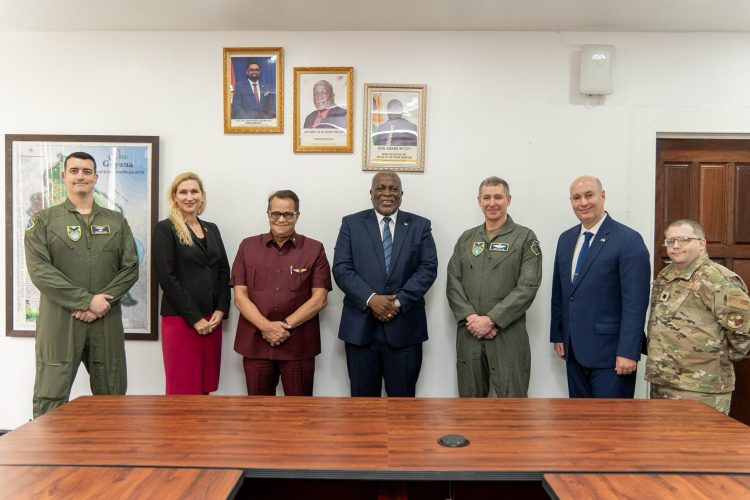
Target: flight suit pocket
<point>110,241</point>
<point>60,241</point>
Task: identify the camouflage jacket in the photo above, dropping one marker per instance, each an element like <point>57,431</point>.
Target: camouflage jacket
<point>698,326</point>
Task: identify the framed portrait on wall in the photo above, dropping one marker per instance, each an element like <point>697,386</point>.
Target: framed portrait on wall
<point>394,128</point>
<point>253,90</point>
<point>323,109</point>
<point>128,177</point>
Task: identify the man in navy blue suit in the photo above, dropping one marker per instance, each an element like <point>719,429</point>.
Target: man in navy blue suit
<point>600,293</point>
<point>252,99</point>
<point>385,261</point>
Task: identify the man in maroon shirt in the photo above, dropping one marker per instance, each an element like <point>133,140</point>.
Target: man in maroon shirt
<point>281,281</point>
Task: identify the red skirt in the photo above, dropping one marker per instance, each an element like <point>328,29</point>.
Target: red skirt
<point>192,362</point>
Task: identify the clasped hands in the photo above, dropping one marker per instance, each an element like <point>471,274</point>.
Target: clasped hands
<point>98,308</point>
<point>204,327</point>
<point>481,327</point>
<point>384,307</point>
<point>275,332</point>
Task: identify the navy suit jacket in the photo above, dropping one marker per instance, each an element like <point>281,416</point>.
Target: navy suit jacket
<point>603,314</point>
<point>245,106</point>
<point>359,270</point>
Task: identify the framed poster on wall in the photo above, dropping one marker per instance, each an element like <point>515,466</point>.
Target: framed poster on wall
<point>394,129</point>
<point>127,169</point>
<point>253,90</point>
<point>323,109</point>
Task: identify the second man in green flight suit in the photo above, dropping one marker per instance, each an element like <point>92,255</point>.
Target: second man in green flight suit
<point>493,276</point>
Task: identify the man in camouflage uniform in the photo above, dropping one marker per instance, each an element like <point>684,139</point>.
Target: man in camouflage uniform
<point>82,258</point>
<point>493,277</point>
<point>699,323</point>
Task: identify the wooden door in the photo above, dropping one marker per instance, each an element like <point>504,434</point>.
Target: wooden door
<point>708,180</point>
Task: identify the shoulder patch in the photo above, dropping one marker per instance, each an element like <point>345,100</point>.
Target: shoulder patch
<point>30,223</point>
<point>535,248</point>
<point>740,303</point>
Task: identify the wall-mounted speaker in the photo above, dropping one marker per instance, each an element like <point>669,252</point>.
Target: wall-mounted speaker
<point>597,69</point>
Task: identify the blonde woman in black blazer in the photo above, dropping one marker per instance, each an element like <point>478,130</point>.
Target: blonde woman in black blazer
<point>193,271</point>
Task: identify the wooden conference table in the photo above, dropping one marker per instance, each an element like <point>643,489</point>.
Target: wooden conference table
<point>384,439</point>
<point>40,482</point>
<point>651,486</point>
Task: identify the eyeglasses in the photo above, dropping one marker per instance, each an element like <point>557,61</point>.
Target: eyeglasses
<point>285,215</point>
<point>680,239</point>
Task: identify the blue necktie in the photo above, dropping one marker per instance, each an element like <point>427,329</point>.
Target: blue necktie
<point>582,255</point>
<point>387,242</point>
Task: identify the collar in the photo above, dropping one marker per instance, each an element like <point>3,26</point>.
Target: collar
<point>267,240</point>
<point>504,229</point>
<point>380,216</point>
<point>688,272</point>
<point>324,113</point>
<point>72,208</point>
<point>596,227</point>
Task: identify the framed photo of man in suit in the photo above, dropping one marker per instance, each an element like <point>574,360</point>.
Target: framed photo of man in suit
<point>394,129</point>
<point>253,90</point>
<point>323,109</point>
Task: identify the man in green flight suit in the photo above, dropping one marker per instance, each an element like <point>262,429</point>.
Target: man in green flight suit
<point>493,277</point>
<point>82,258</point>
<point>699,323</point>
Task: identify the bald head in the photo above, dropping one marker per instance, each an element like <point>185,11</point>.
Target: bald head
<point>587,199</point>
<point>586,179</point>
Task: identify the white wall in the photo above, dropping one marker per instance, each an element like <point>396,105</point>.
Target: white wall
<point>497,104</point>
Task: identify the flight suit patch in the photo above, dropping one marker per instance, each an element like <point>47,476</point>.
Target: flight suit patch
<point>499,247</point>
<point>100,229</point>
<point>477,248</point>
<point>30,223</point>
<point>74,233</point>
<point>535,248</point>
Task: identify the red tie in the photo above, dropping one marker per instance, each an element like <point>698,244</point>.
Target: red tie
<point>255,93</point>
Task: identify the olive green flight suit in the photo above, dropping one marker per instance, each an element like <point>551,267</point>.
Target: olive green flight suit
<point>70,262</point>
<point>498,278</point>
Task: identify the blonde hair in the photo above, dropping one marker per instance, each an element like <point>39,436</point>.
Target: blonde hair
<point>175,215</point>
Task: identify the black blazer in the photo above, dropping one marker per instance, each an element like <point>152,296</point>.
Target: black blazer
<point>195,281</point>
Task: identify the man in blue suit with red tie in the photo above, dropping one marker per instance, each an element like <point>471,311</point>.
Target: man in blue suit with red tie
<point>600,293</point>
<point>252,99</point>
<point>384,262</point>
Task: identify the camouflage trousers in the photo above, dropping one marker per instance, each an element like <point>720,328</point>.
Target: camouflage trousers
<point>719,402</point>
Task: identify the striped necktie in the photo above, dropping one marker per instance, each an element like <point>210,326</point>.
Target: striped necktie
<point>387,242</point>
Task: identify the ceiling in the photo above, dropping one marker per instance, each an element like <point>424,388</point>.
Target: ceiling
<point>379,15</point>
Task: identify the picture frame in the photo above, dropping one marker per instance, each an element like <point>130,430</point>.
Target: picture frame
<point>323,109</point>
<point>253,90</point>
<point>394,127</point>
<point>128,170</point>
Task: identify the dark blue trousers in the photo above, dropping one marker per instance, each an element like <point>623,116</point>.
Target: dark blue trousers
<point>371,365</point>
<point>586,382</point>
